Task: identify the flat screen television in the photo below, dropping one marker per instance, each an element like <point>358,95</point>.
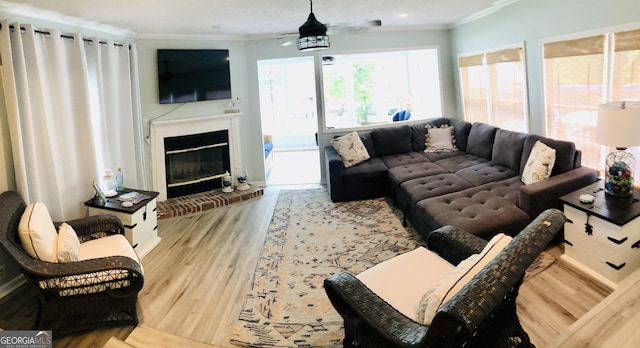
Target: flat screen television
<point>188,75</point>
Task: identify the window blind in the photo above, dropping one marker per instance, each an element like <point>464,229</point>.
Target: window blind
<point>578,47</point>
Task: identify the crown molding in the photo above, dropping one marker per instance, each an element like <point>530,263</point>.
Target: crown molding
<point>495,6</point>
<point>55,17</point>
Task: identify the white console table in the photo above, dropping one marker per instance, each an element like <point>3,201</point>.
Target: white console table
<point>140,221</point>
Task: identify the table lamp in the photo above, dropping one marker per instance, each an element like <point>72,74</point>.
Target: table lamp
<point>619,126</point>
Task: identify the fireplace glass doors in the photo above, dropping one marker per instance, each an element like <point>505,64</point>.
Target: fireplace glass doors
<point>195,163</point>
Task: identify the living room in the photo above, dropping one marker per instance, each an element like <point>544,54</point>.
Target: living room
<point>525,21</point>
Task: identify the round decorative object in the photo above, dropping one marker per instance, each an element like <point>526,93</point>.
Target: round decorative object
<point>619,173</point>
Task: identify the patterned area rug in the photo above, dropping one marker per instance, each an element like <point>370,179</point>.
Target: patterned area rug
<point>309,239</point>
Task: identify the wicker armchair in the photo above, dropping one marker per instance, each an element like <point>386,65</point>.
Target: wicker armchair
<point>75,296</point>
<point>481,314</point>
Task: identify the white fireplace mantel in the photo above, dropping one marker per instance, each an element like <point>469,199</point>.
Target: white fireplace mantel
<point>186,126</point>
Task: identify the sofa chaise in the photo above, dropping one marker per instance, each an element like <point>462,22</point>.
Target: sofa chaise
<point>476,187</point>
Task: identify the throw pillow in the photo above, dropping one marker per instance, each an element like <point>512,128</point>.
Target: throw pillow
<point>68,244</point>
<point>37,233</point>
<point>540,163</point>
<point>440,139</point>
<point>450,284</point>
<point>351,149</point>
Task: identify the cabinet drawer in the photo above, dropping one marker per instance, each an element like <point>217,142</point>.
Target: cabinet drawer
<point>613,271</point>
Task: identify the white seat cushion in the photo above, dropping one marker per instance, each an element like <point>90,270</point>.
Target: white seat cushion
<point>402,280</point>
<point>114,245</point>
<point>38,234</point>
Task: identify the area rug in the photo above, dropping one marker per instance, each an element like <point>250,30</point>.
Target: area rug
<point>309,239</point>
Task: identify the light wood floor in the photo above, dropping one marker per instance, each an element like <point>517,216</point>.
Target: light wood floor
<point>196,279</point>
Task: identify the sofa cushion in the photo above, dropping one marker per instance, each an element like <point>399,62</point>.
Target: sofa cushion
<point>403,159</point>
<point>565,153</point>
<point>481,138</point>
<point>418,136</point>
<point>441,139</point>
<point>372,170</point>
<point>456,163</point>
<point>367,140</point>
<point>539,164</point>
<point>400,174</point>
<point>418,189</point>
<point>68,246</point>
<point>413,273</point>
<point>37,233</point>
<point>391,140</point>
<point>461,132</point>
<point>457,278</point>
<point>484,210</point>
<point>507,149</point>
<point>351,149</point>
<point>484,173</point>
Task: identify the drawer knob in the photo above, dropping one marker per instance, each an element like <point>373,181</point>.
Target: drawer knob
<point>617,268</point>
<point>616,241</point>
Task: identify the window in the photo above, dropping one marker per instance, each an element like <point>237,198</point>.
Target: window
<point>583,73</point>
<point>493,88</point>
<point>369,89</point>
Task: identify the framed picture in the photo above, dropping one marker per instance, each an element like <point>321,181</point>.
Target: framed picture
<point>99,192</point>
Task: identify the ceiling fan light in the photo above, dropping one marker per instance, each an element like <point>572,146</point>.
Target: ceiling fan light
<point>313,35</point>
<point>313,43</point>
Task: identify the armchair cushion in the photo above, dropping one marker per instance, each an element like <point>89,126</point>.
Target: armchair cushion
<point>457,278</point>
<point>68,244</point>
<point>402,280</point>
<point>38,233</point>
<point>114,245</point>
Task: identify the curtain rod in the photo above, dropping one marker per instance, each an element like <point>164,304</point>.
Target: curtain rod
<point>64,36</point>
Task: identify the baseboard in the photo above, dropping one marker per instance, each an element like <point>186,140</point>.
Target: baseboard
<point>11,285</point>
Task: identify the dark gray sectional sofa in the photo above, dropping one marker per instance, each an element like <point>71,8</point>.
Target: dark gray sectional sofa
<point>477,188</point>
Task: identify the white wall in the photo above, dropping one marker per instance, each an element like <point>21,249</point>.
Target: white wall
<point>529,21</point>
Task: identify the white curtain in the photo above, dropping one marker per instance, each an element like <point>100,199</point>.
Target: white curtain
<point>72,112</point>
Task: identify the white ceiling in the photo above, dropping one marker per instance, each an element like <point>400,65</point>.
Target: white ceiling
<point>248,18</point>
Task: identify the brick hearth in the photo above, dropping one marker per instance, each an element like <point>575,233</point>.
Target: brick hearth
<point>204,201</point>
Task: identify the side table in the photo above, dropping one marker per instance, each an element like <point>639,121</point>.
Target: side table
<point>602,238</point>
<point>140,221</point>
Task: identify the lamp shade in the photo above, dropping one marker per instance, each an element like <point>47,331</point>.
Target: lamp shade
<point>618,124</point>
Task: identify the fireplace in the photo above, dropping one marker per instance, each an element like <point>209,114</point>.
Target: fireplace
<point>195,163</point>
<point>190,155</point>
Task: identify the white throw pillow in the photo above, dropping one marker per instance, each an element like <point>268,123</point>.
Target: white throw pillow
<point>351,148</point>
<point>449,285</point>
<point>68,244</point>
<point>37,233</point>
<point>539,164</point>
<point>440,139</point>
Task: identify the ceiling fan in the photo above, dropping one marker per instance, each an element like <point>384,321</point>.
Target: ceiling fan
<point>313,34</point>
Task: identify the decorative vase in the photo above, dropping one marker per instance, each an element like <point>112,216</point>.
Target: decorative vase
<point>227,183</point>
<point>619,173</point>
<point>243,183</point>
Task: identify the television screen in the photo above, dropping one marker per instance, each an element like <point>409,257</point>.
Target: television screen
<point>193,75</point>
